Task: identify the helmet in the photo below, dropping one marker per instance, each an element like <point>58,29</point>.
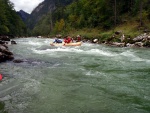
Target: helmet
<point>78,35</point>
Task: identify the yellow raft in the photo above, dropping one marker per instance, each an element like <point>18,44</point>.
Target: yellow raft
<point>66,44</point>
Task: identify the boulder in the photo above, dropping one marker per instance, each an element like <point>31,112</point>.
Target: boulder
<point>13,42</point>
<point>39,36</point>
<point>118,44</point>
<point>5,54</point>
<point>118,32</point>
<point>2,42</point>
<point>148,37</point>
<point>130,45</point>
<point>147,43</point>
<point>122,38</point>
<point>95,40</point>
<point>139,44</point>
<point>17,60</point>
<point>4,38</point>
<point>3,48</point>
<point>142,37</point>
<point>138,38</point>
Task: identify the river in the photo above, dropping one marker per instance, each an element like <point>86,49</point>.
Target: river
<point>91,78</point>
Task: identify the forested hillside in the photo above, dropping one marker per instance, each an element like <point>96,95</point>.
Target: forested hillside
<point>42,11</point>
<point>10,22</point>
<point>95,14</point>
<point>57,16</point>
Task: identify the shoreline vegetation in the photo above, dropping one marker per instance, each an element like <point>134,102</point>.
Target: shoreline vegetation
<point>125,35</point>
<point>128,34</point>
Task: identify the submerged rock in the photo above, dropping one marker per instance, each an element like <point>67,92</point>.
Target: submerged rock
<point>5,54</point>
<point>18,61</point>
<point>13,42</point>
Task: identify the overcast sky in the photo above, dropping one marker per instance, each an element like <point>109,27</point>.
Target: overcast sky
<point>26,5</point>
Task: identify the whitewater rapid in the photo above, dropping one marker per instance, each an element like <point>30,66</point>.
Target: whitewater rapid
<point>90,78</point>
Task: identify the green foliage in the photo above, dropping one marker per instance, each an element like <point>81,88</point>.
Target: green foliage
<point>10,22</point>
<point>91,13</point>
<point>59,26</point>
<point>43,26</point>
<point>95,14</point>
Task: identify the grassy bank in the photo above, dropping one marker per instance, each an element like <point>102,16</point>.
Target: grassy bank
<point>129,29</point>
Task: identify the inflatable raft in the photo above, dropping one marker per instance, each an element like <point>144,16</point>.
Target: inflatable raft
<point>66,44</point>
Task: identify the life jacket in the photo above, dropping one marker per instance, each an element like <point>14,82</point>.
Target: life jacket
<point>78,39</point>
<point>58,41</point>
<point>67,40</point>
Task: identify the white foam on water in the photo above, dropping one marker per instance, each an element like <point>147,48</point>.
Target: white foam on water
<point>101,52</point>
<point>128,53</point>
<point>133,57</point>
<point>94,73</point>
<point>78,50</point>
<point>60,49</point>
<point>34,43</point>
<point>90,45</point>
<point>85,48</point>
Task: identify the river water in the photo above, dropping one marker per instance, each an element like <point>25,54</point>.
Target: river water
<point>87,79</point>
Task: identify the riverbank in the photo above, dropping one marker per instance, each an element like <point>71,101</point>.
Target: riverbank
<point>128,34</point>
<point>118,39</point>
<point>5,54</point>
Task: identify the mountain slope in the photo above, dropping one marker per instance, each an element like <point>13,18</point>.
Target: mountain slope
<point>47,6</point>
<point>42,9</point>
<point>23,15</point>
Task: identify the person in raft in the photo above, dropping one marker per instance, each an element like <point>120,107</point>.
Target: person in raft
<point>68,39</point>
<point>57,40</point>
<point>78,38</point>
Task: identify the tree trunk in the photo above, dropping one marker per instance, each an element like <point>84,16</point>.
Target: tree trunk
<point>51,22</point>
<point>141,9</point>
<point>115,13</point>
